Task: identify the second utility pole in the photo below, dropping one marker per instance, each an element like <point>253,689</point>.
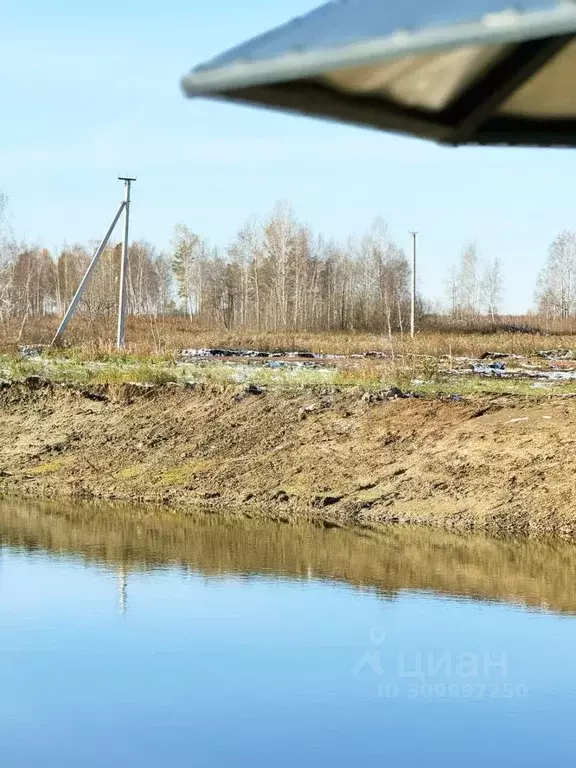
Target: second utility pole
<point>124,264</point>
<point>413,292</point>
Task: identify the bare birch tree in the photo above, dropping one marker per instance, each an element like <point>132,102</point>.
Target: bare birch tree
<point>492,288</point>
<point>556,288</point>
<point>186,261</point>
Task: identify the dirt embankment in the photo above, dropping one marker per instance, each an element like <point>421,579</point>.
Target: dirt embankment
<point>503,464</point>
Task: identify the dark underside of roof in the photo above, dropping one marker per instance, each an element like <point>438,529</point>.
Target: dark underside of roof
<point>473,117</point>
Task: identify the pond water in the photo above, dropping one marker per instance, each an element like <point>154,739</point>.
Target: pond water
<point>136,639</point>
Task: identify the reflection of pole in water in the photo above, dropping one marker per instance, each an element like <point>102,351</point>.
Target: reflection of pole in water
<point>123,589</point>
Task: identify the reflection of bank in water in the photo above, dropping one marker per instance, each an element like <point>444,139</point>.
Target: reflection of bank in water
<point>392,559</point>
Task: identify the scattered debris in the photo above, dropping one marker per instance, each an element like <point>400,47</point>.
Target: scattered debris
<point>496,355</point>
<point>254,389</point>
<point>557,354</point>
<point>523,370</point>
<point>208,352</point>
<point>290,364</point>
<point>394,393</point>
<point>30,351</point>
<point>553,375</point>
<point>35,382</point>
<point>493,369</point>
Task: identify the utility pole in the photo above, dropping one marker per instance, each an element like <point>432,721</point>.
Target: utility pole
<point>413,292</point>
<point>124,263</point>
<point>124,206</point>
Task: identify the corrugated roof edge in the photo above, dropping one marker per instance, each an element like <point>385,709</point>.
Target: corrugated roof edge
<point>506,27</point>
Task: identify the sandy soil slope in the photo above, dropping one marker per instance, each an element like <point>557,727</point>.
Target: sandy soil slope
<point>496,464</point>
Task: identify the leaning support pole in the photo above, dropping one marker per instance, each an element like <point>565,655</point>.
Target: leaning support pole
<point>78,295</point>
<point>124,265</point>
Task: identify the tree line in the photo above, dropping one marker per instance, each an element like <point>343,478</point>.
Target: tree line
<point>275,275</point>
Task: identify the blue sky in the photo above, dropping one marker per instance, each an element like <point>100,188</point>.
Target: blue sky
<point>90,90</point>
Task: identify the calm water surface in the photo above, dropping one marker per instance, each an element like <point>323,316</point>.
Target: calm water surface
<point>132,639</point>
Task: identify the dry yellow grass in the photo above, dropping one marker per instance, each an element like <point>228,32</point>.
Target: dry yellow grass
<point>164,336</point>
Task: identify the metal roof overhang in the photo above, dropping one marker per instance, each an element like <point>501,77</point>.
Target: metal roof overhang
<point>474,72</point>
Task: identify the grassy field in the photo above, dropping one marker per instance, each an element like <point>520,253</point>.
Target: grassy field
<point>154,337</point>
<point>423,365</point>
<point>417,375</point>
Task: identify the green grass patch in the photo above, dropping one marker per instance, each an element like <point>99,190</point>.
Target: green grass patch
<point>182,474</point>
<point>49,467</point>
<point>129,473</point>
<point>175,476</point>
<point>470,386</point>
<point>369,494</point>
